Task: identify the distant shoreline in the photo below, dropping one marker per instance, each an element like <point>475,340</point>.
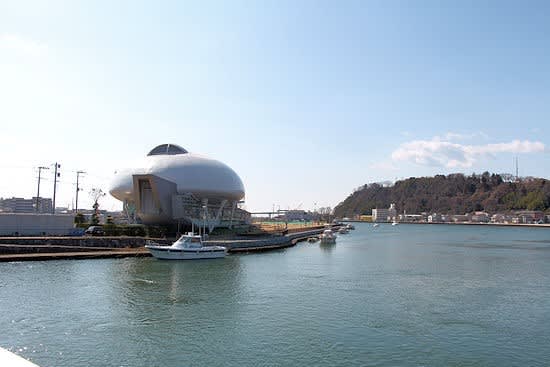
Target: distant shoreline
<point>544,225</point>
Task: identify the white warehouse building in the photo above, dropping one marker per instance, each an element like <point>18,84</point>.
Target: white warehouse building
<point>173,186</point>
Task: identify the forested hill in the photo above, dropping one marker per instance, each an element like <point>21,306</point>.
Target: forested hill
<point>452,194</point>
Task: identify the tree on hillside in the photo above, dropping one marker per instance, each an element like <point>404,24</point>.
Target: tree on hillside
<point>451,194</point>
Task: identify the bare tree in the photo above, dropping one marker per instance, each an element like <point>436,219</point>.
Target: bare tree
<point>96,194</point>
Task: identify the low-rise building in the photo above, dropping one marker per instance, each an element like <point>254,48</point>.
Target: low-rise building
<point>460,218</point>
<point>298,215</point>
<point>410,218</point>
<point>480,217</point>
<point>502,218</point>
<point>530,216</point>
<point>434,218</point>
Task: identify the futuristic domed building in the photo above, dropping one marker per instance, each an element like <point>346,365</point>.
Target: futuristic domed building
<point>172,185</point>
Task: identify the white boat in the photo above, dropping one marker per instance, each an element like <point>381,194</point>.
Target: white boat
<point>375,225</point>
<point>394,223</point>
<point>327,237</point>
<point>187,247</point>
<point>350,226</point>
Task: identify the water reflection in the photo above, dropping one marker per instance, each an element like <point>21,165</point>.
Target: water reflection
<point>327,247</point>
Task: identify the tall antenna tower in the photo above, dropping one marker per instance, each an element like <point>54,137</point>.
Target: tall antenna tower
<point>517,175</point>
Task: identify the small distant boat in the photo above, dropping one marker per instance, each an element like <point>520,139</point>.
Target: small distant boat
<point>375,225</point>
<point>394,223</point>
<point>350,226</point>
<point>343,230</point>
<point>187,247</point>
<point>327,237</point>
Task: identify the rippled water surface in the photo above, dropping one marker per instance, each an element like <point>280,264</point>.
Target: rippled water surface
<point>407,295</point>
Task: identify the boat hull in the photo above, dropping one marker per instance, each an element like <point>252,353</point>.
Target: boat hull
<point>328,241</point>
<point>216,252</point>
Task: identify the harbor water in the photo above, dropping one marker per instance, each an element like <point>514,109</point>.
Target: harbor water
<point>406,295</point>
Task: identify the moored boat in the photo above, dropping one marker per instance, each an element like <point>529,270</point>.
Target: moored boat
<point>328,237</point>
<point>187,247</point>
<point>343,230</point>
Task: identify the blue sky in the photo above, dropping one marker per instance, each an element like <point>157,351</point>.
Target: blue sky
<point>304,100</point>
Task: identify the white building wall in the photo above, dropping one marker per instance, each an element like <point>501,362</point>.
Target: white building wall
<point>36,224</point>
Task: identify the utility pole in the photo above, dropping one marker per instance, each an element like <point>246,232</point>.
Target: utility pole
<point>38,191</point>
<point>78,173</point>
<point>55,176</point>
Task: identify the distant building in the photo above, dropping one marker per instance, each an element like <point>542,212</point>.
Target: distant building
<point>411,218</point>
<point>298,215</point>
<point>460,218</point>
<point>17,205</point>
<point>501,218</point>
<point>530,216</point>
<point>44,204</point>
<point>384,215</point>
<point>434,218</point>
<point>21,205</point>
<point>480,217</point>
<point>380,215</point>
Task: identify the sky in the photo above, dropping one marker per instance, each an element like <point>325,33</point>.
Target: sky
<point>305,100</point>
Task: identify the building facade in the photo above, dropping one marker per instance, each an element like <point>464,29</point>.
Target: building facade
<point>173,186</point>
<point>384,215</point>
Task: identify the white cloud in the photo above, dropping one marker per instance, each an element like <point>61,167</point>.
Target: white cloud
<point>444,153</point>
<point>13,42</point>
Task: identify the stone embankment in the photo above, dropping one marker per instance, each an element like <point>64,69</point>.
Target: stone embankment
<point>82,241</point>
<point>52,248</point>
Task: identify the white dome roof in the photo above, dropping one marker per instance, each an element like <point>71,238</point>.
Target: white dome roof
<point>192,173</point>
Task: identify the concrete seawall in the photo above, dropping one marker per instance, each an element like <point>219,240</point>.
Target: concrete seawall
<point>265,244</point>
<point>54,248</point>
<point>82,241</point>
